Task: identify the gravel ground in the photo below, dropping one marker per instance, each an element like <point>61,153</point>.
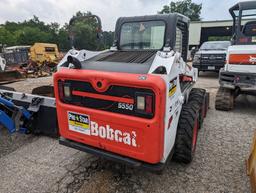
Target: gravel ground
<point>40,164</point>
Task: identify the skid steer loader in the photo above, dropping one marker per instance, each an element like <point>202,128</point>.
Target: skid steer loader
<point>239,74</point>
<point>134,103</point>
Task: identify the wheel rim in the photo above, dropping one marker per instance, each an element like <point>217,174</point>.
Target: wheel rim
<point>195,132</point>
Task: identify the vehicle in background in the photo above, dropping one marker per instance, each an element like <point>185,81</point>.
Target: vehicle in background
<point>45,53</point>
<point>16,56</point>
<point>239,74</point>
<point>10,61</point>
<point>211,56</point>
<point>41,59</point>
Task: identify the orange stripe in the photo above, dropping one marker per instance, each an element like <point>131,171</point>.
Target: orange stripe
<point>103,97</point>
<point>241,58</point>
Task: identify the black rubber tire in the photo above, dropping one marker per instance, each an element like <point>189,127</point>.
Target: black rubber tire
<point>198,95</point>
<point>197,98</point>
<point>184,151</point>
<point>225,99</point>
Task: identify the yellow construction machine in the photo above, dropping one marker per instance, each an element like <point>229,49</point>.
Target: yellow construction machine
<point>45,53</point>
<point>43,58</point>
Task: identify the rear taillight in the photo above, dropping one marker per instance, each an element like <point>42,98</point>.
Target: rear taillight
<point>144,103</point>
<point>65,91</point>
<point>141,103</point>
<point>60,89</point>
<point>244,40</point>
<point>149,104</point>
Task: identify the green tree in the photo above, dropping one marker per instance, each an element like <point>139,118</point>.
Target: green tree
<point>63,39</point>
<point>7,37</point>
<point>185,7</point>
<point>108,39</point>
<point>33,30</point>
<point>30,35</point>
<point>85,32</point>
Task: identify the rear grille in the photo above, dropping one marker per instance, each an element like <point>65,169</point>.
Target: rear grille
<point>129,56</point>
<point>107,105</point>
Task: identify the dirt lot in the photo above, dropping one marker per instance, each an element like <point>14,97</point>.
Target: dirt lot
<point>39,164</point>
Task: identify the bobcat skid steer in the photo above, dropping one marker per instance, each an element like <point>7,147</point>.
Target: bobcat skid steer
<point>134,103</point>
<point>239,74</point>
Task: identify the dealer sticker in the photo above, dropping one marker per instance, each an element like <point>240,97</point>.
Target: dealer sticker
<point>79,123</point>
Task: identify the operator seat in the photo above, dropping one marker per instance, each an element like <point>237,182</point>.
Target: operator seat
<point>249,28</point>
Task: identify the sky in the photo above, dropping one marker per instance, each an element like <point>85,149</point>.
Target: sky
<point>108,10</point>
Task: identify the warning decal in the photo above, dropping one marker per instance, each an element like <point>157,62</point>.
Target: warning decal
<point>172,87</point>
<point>79,123</point>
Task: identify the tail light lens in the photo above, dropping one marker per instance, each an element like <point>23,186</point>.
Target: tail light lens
<point>141,103</point>
<point>144,103</point>
<point>65,91</point>
<point>149,104</point>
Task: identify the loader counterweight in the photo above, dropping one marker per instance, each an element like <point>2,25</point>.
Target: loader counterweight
<point>131,134</point>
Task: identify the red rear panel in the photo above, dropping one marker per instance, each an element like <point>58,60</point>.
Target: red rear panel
<point>243,59</point>
<point>101,112</point>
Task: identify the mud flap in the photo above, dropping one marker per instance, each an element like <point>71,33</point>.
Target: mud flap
<point>251,165</point>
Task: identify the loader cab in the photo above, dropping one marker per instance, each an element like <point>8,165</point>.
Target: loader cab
<point>152,33</point>
<point>244,33</point>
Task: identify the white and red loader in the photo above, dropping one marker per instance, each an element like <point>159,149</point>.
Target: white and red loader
<point>133,103</point>
<point>239,74</point>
